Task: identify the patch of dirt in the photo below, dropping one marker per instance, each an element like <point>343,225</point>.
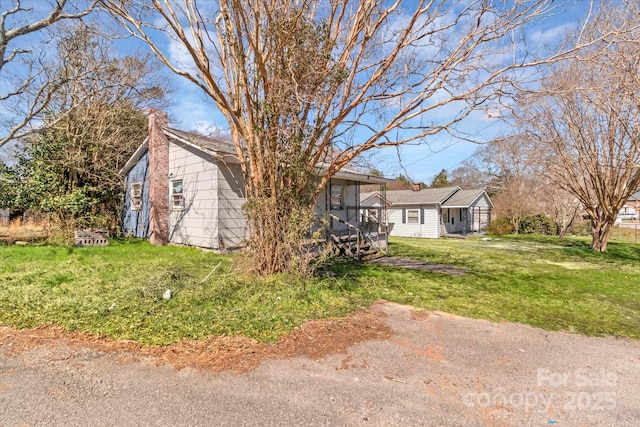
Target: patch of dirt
<point>314,339</point>
<point>412,264</point>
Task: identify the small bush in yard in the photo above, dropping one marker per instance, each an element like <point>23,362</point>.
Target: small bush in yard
<point>500,226</point>
<point>538,224</point>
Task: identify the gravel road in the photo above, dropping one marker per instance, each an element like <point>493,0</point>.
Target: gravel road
<point>434,370</point>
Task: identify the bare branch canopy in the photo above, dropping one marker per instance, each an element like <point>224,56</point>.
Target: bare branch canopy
<point>584,121</point>
<point>27,87</point>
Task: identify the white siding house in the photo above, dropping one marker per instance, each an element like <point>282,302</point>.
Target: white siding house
<point>187,189</point>
<point>433,212</point>
<point>202,194</point>
<point>467,212</point>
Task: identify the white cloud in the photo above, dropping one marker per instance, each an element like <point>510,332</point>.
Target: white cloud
<point>550,36</point>
<point>192,112</point>
<point>209,128</point>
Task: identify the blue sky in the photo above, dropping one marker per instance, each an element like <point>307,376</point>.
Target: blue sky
<point>191,111</point>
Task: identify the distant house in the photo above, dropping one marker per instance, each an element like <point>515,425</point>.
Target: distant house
<point>431,212</point>
<point>183,188</point>
<point>632,206</point>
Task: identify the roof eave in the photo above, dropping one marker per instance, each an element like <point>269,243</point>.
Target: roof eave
<point>135,158</point>
<point>368,179</point>
<point>221,154</point>
<point>413,203</point>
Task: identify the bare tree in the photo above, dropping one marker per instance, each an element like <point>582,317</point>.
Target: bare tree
<point>68,170</point>
<point>27,85</point>
<point>469,175</point>
<point>512,181</point>
<point>585,120</point>
<point>558,205</point>
<point>516,199</point>
<point>308,85</point>
<point>510,169</point>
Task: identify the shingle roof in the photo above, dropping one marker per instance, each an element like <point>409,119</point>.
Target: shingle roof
<point>206,143</point>
<point>463,198</point>
<point>426,196</point>
<point>448,197</point>
<point>368,194</point>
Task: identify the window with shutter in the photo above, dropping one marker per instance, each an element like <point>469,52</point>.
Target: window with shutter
<point>413,216</point>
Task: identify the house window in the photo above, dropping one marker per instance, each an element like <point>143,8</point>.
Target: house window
<point>337,197</point>
<point>177,195</point>
<point>413,216</point>
<point>136,196</point>
<point>445,216</point>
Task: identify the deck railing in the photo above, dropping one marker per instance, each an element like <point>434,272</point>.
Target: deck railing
<point>363,239</point>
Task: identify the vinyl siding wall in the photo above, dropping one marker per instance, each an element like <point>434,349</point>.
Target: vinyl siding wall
<point>232,225</point>
<point>482,202</point>
<point>197,223</point>
<point>429,215</point>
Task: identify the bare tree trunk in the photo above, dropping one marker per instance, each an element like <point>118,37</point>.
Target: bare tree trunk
<point>600,233</point>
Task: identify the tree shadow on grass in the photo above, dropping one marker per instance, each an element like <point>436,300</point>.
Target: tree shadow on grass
<point>616,251</point>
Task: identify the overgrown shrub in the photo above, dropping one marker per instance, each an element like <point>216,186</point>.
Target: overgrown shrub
<point>286,237</point>
<point>580,227</point>
<point>500,226</point>
<point>538,224</point>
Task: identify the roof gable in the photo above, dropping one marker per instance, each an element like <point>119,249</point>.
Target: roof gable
<point>465,198</point>
<point>368,198</point>
<point>135,157</point>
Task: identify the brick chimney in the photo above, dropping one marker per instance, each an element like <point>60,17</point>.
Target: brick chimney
<point>158,179</point>
<point>415,187</point>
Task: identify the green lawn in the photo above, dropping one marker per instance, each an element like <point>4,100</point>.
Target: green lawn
<point>117,290</point>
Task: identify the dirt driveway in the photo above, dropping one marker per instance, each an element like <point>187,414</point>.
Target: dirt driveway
<point>411,369</point>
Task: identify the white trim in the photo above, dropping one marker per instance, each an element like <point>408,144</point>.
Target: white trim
<point>417,218</point>
<point>135,157</point>
<point>173,196</point>
<point>136,196</point>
